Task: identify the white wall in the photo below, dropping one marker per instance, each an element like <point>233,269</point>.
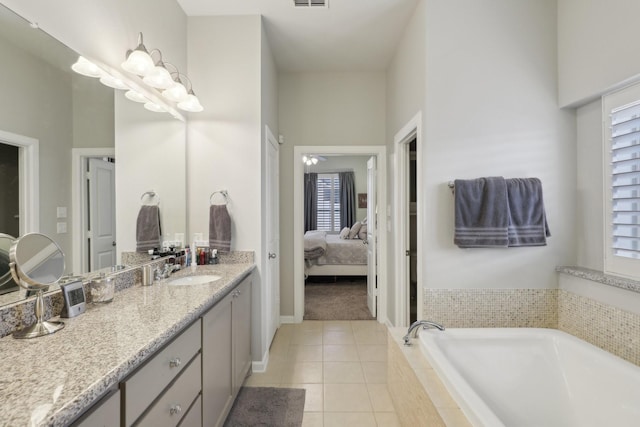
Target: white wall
<point>322,109</point>
<point>595,47</point>
<point>490,108</point>
<point>237,81</point>
<point>487,90</point>
<point>405,82</point>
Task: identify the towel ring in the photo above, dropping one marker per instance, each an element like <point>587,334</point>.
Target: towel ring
<point>151,195</point>
<point>224,194</point>
<point>452,186</point>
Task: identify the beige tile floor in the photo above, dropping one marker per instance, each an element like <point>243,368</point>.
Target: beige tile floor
<point>343,367</point>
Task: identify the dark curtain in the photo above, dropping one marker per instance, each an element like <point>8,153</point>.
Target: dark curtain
<point>310,201</point>
<point>347,199</point>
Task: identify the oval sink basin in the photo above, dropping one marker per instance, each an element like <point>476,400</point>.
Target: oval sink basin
<point>194,280</point>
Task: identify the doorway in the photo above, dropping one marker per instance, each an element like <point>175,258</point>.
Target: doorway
<point>379,153</point>
<point>409,218</point>
<point>93,203</point>
<point>9,190</point>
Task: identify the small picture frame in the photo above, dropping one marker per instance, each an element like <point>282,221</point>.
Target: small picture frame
<point>362,200</point>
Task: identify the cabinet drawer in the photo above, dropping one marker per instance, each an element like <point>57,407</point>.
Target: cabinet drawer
<point>194,416</point>
<point>147,383</point>
<point>172,405</point>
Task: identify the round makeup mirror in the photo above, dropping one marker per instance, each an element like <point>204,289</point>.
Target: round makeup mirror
<point>36,262</point>
<point>6,280</point>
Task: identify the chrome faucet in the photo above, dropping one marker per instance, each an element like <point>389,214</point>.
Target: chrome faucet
<point>415,326</point>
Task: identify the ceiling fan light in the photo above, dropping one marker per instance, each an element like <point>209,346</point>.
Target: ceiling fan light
<point>86,68</point>
<point>135,96</point>
<point>314,160</point>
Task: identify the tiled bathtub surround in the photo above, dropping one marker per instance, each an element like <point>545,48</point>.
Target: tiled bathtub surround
<point>610,328</point>
<point>492,308</point>
<point>604,325</point>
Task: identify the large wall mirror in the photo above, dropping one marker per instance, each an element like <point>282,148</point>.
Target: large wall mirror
<point>80,129</point>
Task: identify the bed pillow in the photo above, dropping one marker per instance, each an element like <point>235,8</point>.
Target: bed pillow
<point>355,228</point>
<point>362,234</point>
<point>344,234</point>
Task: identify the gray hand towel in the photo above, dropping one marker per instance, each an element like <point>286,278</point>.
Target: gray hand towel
<point>219,228</point>
<point>148,228</point>
<point>527,219</point>
<point>481,213</point>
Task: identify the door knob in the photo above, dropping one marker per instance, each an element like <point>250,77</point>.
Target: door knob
<point>272,255</point>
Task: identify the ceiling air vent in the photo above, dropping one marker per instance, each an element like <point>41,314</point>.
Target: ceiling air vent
<point>311,3</point>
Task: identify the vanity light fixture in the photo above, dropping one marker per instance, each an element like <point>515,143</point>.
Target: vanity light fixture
<point>138,60</point>
<point>113,82</point>
<point>86,68</point>
<point>152,106</point>
<point>160,77</point>
<point>134,96</point>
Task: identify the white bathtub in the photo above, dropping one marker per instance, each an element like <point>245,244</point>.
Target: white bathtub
<point>533,377</point>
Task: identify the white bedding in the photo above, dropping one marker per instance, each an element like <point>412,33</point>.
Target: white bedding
<point>343,252</point>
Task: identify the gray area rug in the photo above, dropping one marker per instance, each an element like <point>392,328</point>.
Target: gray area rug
<point>343,300</point>
<point>268,407</point>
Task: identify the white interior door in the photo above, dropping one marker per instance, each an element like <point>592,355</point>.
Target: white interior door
<point>372,225</point>
<point>273,237</point>
<point>102,218</point>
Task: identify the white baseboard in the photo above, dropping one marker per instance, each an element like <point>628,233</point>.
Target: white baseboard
<point>260,366</point>
<point>287,319</point>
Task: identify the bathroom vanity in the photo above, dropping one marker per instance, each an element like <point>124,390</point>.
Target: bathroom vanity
<point>157,355</point>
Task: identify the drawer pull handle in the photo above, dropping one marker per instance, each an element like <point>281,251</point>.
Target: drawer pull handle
<point>174,363</point>
<point>175,410</point>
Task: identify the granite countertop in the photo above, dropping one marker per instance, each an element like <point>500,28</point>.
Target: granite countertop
<point>50,380</point>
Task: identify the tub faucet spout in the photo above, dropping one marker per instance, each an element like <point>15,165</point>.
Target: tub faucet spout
<point>415,326</point>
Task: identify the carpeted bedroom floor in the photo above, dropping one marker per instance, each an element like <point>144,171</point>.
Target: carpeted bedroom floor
<point>345,299</point>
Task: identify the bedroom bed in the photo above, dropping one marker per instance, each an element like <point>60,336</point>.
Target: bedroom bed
<point>328,255</point>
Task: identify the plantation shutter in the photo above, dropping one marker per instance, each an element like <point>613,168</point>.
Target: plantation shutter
<point>328,202</point>
<point>625,180</point>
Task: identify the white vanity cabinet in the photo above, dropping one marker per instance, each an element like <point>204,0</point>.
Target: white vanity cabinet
<point>160,392</point>
<point>226,352</point>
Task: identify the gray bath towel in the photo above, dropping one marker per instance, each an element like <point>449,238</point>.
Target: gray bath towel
<point>219,228</point>
<point>527,219</point>
<point>481,213</point>
<point>148,228</point>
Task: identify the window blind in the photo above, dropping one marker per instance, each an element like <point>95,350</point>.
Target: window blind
<point>625,180</point>
<point>328,202</point>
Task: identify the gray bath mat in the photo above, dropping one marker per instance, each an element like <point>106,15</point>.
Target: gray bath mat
<point>267,407</point>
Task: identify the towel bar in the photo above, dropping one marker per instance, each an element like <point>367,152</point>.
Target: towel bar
<point>151,195</point>
<point>452,186</point>
<point>224,193</point>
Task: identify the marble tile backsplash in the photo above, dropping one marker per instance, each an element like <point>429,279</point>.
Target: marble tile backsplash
<point>492,308</point>
<point>610,328</point>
